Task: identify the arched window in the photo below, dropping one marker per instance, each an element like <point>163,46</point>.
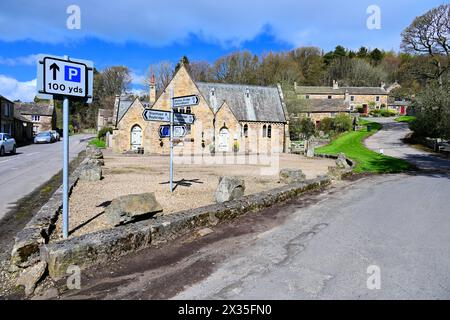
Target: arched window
<point>269,131</point>
<point>264,131</point>
<point>246,131</point>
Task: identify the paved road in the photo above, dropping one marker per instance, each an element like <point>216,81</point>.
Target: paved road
<point>33,165</point>
<point>390,140</point>
<point>316,247</point>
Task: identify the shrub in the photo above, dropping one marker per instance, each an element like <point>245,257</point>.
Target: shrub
<point>342,122</point>
<point>388,113</point>
<point>327,125</point>
<point>102,133</point>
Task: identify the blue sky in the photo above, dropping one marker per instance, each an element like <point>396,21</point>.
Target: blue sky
<point>140,33</point>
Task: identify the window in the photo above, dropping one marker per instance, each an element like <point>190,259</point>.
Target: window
<point>269,131</point>
<point>264,133</point>
<point>352,98</point>
<point>36,118</point>
<point>307,97</point>
<point>246,131</point>
<point>378,98</point>
<point>329,97</point>
<point>188,110</point>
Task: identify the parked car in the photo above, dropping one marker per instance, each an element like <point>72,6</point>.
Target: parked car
<point>55,135</point>
<point>44,137</point>
<point>7,144</point>
<point>444,146</point>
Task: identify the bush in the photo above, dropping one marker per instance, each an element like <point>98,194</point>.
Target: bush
<point>102,133</point>
<point>302,128</point>
<point>98,143</point>
<point>342,122</point>
<point>375,113</point>
<point>327,125</point>
<point>388,113</point>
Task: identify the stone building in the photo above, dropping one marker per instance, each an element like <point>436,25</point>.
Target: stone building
<point>318,109</point>
<point>355,96</point>
<point>6,115</point>
<point>228,118</point>
<point>42,116</point>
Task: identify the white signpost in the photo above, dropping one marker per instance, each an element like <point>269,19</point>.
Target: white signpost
<point>185,101</point>
<point>164,116</point>
<point>64,78</point>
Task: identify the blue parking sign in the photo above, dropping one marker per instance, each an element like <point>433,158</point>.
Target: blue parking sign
<point>72,74</point>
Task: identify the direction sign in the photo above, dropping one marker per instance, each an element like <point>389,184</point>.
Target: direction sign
<point>156,115</point>
<point>185,101</point>
<point>178,131</point>
<point>164,116</point>
<point>59,77</point>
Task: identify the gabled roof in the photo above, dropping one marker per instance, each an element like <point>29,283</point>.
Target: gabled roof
<point>262,104</point>
<point>341,90</point>
<point>4,98</point>
<point>35,109</point>
<point>122,106</point>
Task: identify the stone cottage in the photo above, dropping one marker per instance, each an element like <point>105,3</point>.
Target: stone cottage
<point>228,118</point>
<point>43,116</point>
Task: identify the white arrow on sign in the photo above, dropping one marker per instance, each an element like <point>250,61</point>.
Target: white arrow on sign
<point>164,116</point>
<point>186,101</point>
<point>64,77</point>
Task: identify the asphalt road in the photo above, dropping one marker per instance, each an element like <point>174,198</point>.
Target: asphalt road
<point>320,246</point>
<point>390,140</point>
<point>33,165</point>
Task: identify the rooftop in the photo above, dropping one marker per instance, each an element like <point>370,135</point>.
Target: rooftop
<point>248,103</point>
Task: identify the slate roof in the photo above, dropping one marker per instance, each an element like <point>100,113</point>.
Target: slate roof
<point>341,90</point>
<point>4,98</point>
<point>263,103</point>
<point>35,109</point>
<point>322,105</point>
<point>124,104</point>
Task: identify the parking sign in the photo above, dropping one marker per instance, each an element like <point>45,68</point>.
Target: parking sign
<point>59,77</point>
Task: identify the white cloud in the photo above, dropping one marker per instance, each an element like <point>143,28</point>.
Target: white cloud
<point>25,60</point>
<point>162,22</point>
<point>13,89</point>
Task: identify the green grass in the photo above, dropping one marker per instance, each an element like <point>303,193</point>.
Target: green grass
<point>351,143</point>
<point>407,119</point>
<point>98,143</point>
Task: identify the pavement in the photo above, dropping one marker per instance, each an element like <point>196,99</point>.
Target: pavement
<point>33,165</point>
<point>390,140</point>
<point>378,237</point>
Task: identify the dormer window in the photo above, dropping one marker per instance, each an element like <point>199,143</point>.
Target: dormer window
<point>247,93</point>
<point>213,91</point>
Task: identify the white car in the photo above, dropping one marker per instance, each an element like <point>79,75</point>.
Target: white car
<point>55,135</point>
<point>7,144</point>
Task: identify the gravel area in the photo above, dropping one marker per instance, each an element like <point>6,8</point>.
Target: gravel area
<point>125,174</point>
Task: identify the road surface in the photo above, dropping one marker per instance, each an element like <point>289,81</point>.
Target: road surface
<point>321,246</point>
<point>33,165</point>
<point>390,140</point>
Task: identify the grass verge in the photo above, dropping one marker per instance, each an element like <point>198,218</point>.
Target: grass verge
<point>98,143</point>
<point>407,119</point>
<point>351,143</point>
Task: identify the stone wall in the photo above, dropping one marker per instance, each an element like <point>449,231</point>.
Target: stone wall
<point>104,246</point>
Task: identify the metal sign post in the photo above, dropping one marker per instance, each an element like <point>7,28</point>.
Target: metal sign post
<point>64,78</point>
<point>171,139</point>
<point>66,168</point>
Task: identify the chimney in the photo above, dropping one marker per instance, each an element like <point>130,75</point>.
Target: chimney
<point>383,84</point>
<point>295,86</point>
<point>247,93</point>
<point>335,85</point>
<point>346,96</point>
<point>152,93</point>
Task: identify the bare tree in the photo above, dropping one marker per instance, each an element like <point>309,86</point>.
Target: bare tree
<point>429,35</point>
<point>163,72</point>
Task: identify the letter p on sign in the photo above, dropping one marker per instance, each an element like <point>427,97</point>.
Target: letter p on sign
<point>72,74</point>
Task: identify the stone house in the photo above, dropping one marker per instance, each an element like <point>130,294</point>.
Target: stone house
<point>6,115</point>
<point>356,96</point>
<point>11,122</point>
<point>228,118</point>
<point>42,116</point>
<point>318,109</point>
